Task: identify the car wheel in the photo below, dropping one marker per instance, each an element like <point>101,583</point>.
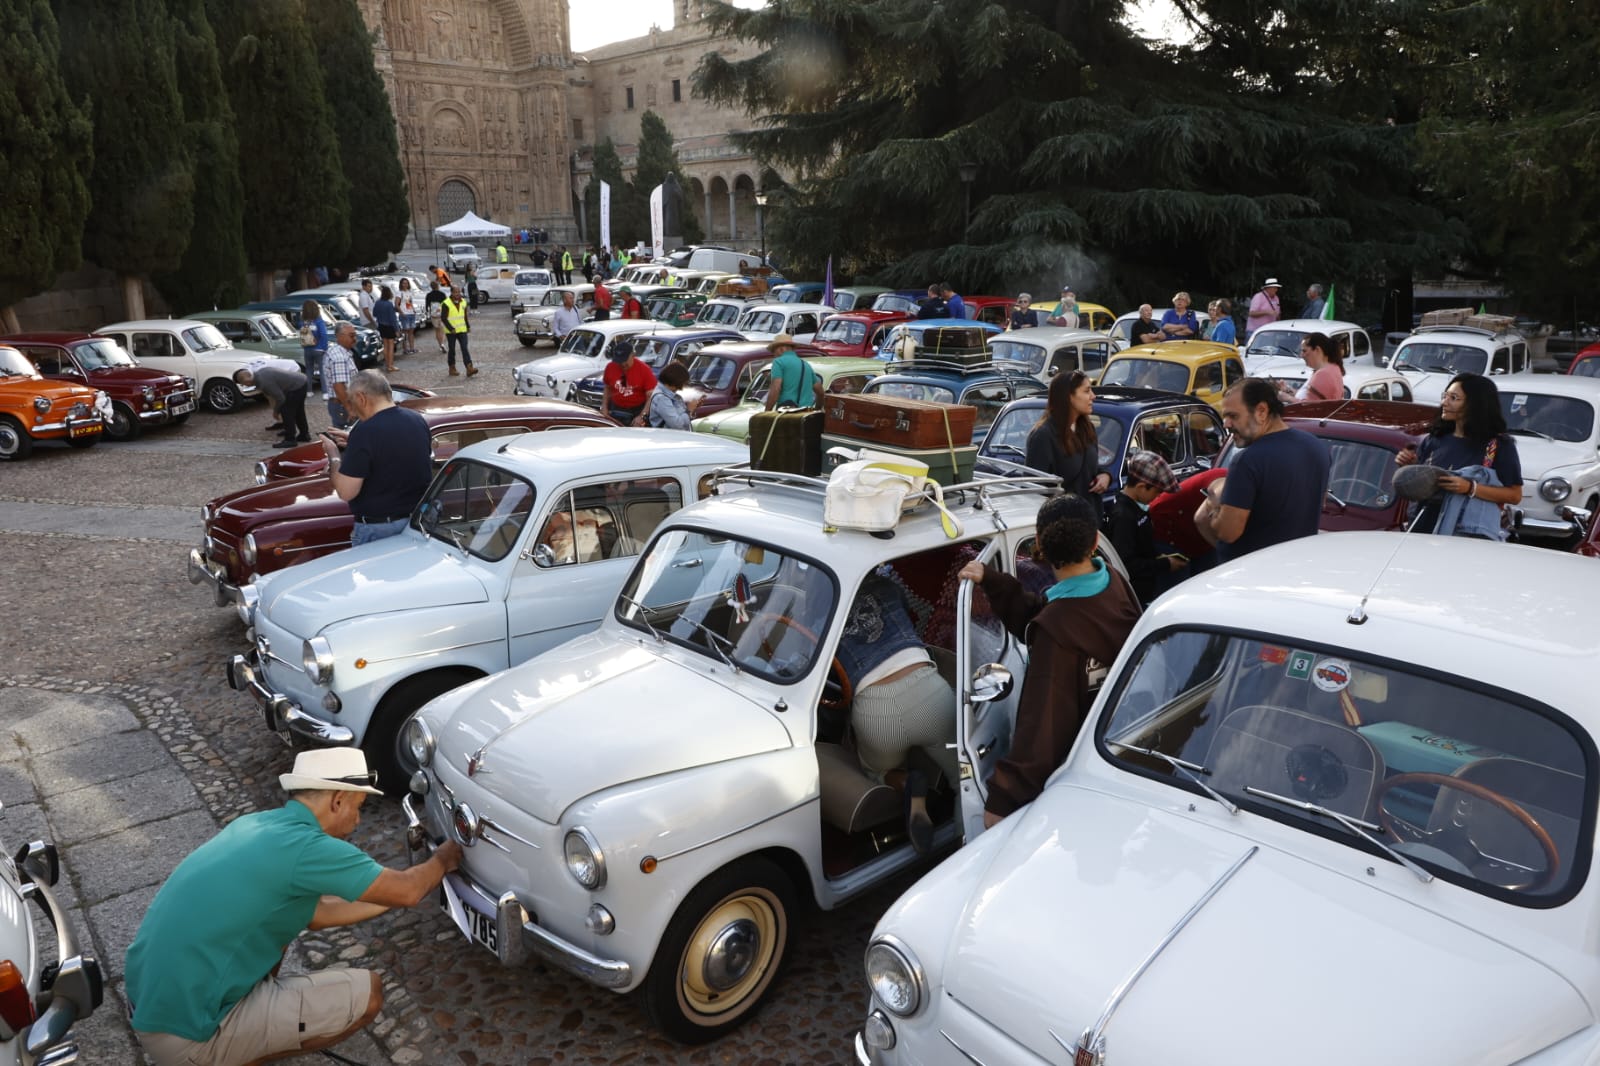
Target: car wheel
<point>384,743</point>
<point>81,443</point>
<point>124,424</point>
<point>720,952</point>
<point>527,342</point>
<point>222,395</point>
<point>14,440</point>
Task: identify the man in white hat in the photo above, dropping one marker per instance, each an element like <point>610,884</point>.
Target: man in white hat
<point>1264,306</point>
<point>795,382</point>
<point>202,974</point>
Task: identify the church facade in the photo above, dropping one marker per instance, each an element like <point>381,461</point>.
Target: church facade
<point>497,115</point>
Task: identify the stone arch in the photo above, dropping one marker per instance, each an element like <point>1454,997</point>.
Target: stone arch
<point>451,128</point>
<point>742,208</point>
<point>719,221</point>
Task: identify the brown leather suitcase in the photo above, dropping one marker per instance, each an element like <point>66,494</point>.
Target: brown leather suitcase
<point>790,441</point>
<point>905,423</point>
<point>957,340</point>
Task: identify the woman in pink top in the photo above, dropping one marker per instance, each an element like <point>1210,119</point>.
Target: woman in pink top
<point>1326,360</point>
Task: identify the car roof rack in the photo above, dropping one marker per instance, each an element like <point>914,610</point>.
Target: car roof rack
<point>974,495</point>
<point>921,363</point>
<point>1479,330</point>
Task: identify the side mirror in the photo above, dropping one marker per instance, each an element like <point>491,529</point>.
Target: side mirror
<point>542,555</point>
<point>990,683</point>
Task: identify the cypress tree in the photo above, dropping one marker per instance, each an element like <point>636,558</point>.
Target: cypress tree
<point>50,147</point>
<point>296,198</point>
<point>120,58</point>
<point>212,272</point>
<point>369,148</point>
<point>625,213</point>
<point>657,159</point>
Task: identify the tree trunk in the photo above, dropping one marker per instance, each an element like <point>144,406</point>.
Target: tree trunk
<point>133,296</point>
<point>265,282</point>
<point>8,320</point>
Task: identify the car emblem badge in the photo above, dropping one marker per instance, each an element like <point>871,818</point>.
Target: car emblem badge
<point>475,760</point>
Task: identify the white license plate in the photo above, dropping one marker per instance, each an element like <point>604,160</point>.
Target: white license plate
<point>181,408</point>
<point>478,926</point>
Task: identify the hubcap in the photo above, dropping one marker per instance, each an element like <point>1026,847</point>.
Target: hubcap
<point>730,958</point>
<point>732,953</point>
<point>8,440</point>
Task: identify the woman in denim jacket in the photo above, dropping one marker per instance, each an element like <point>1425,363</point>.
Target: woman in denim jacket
<point>1470,432</point>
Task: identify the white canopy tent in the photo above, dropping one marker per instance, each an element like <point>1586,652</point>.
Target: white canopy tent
<point>470,227</point>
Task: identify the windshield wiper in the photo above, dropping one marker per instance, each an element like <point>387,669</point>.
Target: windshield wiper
<point>643,614</point>
<point>1193,771</point>
<point>1353,824</point>
<point>712,637</point>
<point>1525,431</point>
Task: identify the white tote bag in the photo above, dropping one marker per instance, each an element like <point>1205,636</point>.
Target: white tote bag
<point>870,491</point>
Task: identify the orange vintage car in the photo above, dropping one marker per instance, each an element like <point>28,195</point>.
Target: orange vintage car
<point>34,408</point>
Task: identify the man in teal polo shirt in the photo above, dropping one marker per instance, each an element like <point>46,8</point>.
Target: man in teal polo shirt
<point>202,974</point>
<point>795,382</point>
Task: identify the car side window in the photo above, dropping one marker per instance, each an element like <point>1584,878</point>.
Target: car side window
<point>1377,390</point>
<point>1519,358</point>
<point>155,346</point>
<point>235,329</point>
<point>806,323</point>
<point>848,384</point>
<point>1501,363</point>
<point>1095,355</point>
<point>612,520</point>
<point>1235,370</point>
<point>1205,435</point>
<point>1208,377</point>
<point>449,441</point>
<point>49,360</point>
<point>1399,390</point>
<point>1159,433</point>
<point>1360,344</point>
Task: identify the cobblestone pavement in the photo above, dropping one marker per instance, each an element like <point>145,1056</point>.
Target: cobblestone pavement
<point>93,592</point>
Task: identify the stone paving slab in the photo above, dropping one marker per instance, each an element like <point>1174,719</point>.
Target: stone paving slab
<point>112,807</point>
<point>43,722</point>
<point>115,923</point>
<point>97,760</point>
<point>139,856</point>
<point>178,524</point>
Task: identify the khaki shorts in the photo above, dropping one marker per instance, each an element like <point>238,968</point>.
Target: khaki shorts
<point>278,1015</point>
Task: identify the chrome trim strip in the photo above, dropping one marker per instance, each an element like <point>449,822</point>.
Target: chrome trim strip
<point>969,1056</point>
<point>430,651</point>
<point>1093,1039</point>
<point>734,832</point>
<point>51,427</point>
<point>311,548</point>
<point>503,831</point>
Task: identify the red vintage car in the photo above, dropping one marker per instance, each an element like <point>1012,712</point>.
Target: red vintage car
<point>1586,363</point>
<point>1363,436</point>
<point>993,309</point>
<point>855,334</point>
<point>720,374</point>
<point>271,526</point>
<point>140,396</point>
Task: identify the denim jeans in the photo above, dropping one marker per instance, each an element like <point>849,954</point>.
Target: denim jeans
<point>337,415</point>
<point>367,532</point>
<point>312,357</point>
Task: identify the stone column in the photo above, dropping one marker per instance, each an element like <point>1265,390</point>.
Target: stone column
<point>733,212</point>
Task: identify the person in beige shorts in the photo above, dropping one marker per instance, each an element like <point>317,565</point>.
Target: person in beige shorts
<point>202,976</point>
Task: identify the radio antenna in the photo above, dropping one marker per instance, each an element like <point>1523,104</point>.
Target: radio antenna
<point>1359,615</point>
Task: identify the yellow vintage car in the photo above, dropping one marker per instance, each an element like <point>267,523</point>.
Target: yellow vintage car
<point>1197,368</point>
<point>1096,317</point>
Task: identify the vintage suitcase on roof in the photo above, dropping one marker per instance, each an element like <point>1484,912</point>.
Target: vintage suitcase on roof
<point>905,423</point>
<point>947,464</point>
<point>1492,323</point>
<point>954,339</point>
<point>1450,316</point>
<point>790,441</point>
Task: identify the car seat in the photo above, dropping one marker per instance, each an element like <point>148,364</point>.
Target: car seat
<point>1295,754</point>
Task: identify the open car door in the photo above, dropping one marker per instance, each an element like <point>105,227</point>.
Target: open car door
<point>989,668</point>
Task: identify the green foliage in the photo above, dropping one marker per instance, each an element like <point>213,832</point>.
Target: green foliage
<point>212,271</point>
<point>630,219</point>
<point>119,57</point>
<point>49,149</point>
<point>368,147</point>
<point>657,159</point>
<point>296,197</point>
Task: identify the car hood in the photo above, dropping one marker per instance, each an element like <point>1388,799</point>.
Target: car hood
<point>296,498</point>
<point>1087,885</point>
<point>732,422</point>
<point>389,576</point>
<point>567,366</point>
<point>1540,457</point>
<point>61,394</point>
<point>536,724</point>
<point>132,376</point>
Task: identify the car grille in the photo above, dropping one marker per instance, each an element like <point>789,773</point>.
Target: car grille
<point>590,396</point>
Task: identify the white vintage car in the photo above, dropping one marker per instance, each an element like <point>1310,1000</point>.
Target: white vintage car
<point>1362,381</point>
<point>583,352</point>
<point>1431,355</point>
<point>45,988</point>
<point>762,322</point>
<point>1557,427</point>
<point>1335,804</point>
<point>520,544</point>
<point>1050,350</point>
<point>529,287</point>
<point>538,321</point>
<point>1282,339</point>
<point>191,349</point>
<point>651,806</point>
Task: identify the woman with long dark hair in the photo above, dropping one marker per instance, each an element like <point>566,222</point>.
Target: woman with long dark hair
<point>1470,431</point>
<point>1064,442</point>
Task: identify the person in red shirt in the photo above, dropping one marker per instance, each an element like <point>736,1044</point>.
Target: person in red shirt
<point>631,307</point>
<point>629,383</point>
<point>602,300</point>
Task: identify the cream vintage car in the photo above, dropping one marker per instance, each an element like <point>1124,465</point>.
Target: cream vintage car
<point>652,806</point>
<point>1335,804</point>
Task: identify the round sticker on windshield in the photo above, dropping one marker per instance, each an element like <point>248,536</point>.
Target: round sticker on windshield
<point>1331,675</point>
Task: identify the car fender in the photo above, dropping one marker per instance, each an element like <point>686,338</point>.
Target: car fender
<point>297,540</point>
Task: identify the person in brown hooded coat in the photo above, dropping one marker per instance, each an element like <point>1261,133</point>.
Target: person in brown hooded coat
<point>1073,632</point>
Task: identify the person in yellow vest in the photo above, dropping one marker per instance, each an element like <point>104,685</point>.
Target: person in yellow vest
<point>453,313</point>
<point>500,253</point>
<point>566,266</point>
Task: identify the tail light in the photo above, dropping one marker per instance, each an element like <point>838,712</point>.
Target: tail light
<point>16,1005</point>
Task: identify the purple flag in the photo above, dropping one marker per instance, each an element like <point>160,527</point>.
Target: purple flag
<point>827,284</point>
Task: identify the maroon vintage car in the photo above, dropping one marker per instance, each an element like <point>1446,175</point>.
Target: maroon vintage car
<point>275,525</point>
<point>452,413</point>
<point>140,396</point>
<point>720,374</point>
<point>855,334</point>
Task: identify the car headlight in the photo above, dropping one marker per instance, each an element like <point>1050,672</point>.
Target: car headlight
<point>248,550</point>
<point>41,403</point>
<point>550,380</point>
<point>1555,489</point>
<point>894,976</point>
<point>585,861</point>
<point>419,741</point>
<point>205,513</point>
<point>316,655</point>
<point>191,383</point>
<point>249,596</point>
<point>148,393</point>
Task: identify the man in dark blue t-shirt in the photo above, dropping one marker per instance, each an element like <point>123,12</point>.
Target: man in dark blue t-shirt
<point>1275,486</point>
<point>387,462</point>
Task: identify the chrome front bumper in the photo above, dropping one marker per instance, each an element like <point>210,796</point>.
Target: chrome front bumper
<point>863,1056</point>
<point>77,988</point>
<point>67,424</point>
<point>1545,527</point>
<point>200,569</point>
<point>517,935</point>
<point>283,716</point>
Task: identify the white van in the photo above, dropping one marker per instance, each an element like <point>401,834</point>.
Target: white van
<point>723,259</point>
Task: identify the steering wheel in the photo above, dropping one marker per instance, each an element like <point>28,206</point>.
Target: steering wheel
<point>1456,840</point>
<point>1377,489</point>
<point>836,690</point>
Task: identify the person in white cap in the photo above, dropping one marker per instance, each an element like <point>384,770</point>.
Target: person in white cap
<point>202,974</point>
<point>1264,306</point>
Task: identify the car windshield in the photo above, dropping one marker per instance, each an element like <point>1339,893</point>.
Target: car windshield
<point>341,309</point>
<point>1481,787</point>
<point>1032,355</point>
<point>910,390</point>
<point>842,331</point>
<point>731,601</point>
<point>274,327</point>
<point>99,354</point>
<point>1439,358</point>
<point>889,301</point>
<point>205,338</point>
<point>757,392</point>
<point>1147,374</point>
<point>718,314</point>
<point>14,364</point>
<point>761,322</point>
<point>551,298</point>
<point>712,371</point>
<point>528,278</point>
<point>1268,341</point>
<point>654,353</point>
<point>1567,418</point>
<point>1008,437</point>
<point>661,307</point>
<point>583,342</point>
<point>1361,473</point>
<point>790,296</point>
<point>477,508</point>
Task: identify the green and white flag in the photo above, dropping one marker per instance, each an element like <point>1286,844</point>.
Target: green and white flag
<point>1327,308</point>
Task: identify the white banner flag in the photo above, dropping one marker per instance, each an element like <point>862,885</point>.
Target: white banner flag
<point>605,214</point>
<point>658,224</point>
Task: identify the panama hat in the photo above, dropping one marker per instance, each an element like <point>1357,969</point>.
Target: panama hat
<point>1271,283</point>
<point>782,340</point>
<point>337,769</point>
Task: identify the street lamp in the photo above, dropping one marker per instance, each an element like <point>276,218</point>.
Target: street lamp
<point>969,174</point>
<point>762,196</point>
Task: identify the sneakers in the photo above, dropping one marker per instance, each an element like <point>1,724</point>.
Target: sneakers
<point>454,372</point>
<point>471,370</point>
